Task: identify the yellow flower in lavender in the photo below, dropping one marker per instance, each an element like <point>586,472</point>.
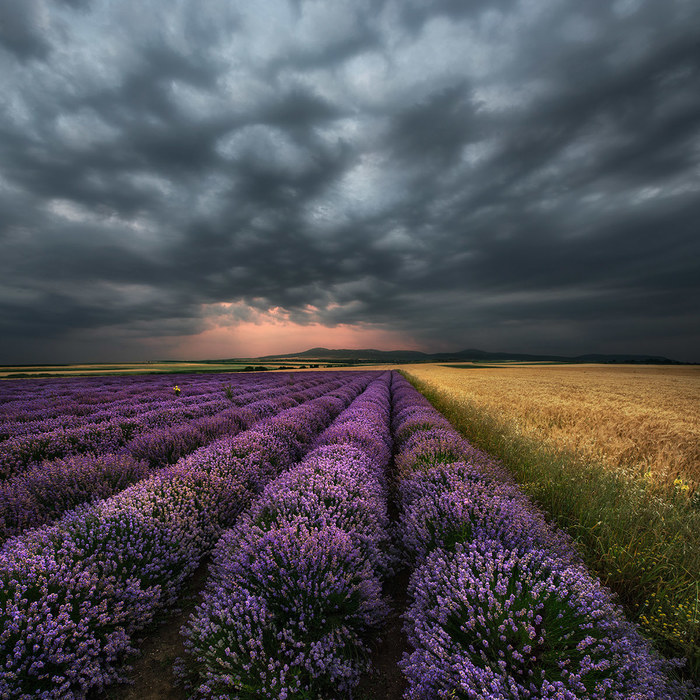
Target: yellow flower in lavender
<point>176,389</point>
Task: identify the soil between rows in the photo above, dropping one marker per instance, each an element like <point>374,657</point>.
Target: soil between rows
<point>386,682</point>
<point>152,676</point>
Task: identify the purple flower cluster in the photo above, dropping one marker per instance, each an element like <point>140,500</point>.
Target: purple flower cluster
<point>262,452</point>
<point>43,492</point>
<point>28,402</point>
<point>502,605</point>
<point>491,622</point>
<point>19,452</point>
<point>295,587</point>
<point>167,444</point>
<point>73,594</point>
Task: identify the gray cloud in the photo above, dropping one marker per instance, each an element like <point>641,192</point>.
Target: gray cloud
<point>20,30</point>
<point>512,175</point>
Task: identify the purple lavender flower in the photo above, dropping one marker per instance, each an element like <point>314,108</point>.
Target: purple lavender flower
<point>492,622</point>
<point>62,634</point>
<point>45,492</point>
<point>475,512</point>
<point>287,616</point>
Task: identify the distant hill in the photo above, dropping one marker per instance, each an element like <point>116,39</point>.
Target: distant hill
<point>359,355</point>
<point>473,355</point>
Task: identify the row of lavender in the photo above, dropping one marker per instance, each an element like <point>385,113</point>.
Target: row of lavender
<point>502,607</point>
<point>109,423</point>
<point>296,585</point>
<point>44,491</point>
<point>74,594</point>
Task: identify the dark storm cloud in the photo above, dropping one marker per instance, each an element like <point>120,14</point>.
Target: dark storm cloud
<point>20,31</point>
<point>512,175</point>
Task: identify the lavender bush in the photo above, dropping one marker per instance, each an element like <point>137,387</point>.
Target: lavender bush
<point>335,485</point>
<point>490,622</point>
<point>453,476</point>
<point>45,492</point>
<point>284,617</point>
<point>61,632</point>
<point>475,512</point>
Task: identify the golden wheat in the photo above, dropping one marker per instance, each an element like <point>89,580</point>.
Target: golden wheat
<point>641,419</point>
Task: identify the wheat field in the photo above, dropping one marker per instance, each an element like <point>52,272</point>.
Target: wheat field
<point>644,420</point>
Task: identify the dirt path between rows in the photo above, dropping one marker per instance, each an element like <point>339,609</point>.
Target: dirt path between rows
<point>386,682</point>
<point>152,677</point>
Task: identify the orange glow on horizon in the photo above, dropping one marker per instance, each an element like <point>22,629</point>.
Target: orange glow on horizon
<point>270,337</point>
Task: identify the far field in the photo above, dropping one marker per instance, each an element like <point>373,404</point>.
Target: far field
<point>167,367</point>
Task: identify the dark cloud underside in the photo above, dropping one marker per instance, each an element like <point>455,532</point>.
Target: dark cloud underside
<point>515,175</point>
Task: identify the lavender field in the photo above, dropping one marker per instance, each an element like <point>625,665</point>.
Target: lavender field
<point>305,493</point>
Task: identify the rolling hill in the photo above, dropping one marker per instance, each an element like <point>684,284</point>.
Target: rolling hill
<point>469,355</point>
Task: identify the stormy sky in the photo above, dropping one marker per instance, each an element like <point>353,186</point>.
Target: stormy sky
<point>219,178</point>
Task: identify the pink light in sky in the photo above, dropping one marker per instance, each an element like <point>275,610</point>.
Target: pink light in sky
<point>268,336</point>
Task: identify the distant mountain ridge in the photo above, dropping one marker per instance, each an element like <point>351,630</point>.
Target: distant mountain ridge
<point>472,354</point>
